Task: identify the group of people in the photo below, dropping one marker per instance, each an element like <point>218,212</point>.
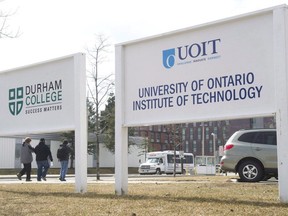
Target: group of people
<point>44,159</point>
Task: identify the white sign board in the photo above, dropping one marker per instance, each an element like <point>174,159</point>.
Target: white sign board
<point>38,98</point>
<point>212,72</point>
<point>234,68</point>
<point>48,97</point>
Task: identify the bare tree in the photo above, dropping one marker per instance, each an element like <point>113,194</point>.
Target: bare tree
<point>174,133</point>
<point>5,30</point>
<point>145,146</point>
<point>99,85</point>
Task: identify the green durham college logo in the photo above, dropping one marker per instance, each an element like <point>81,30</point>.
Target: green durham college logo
<point>16,100</point>
<point>36,98</point>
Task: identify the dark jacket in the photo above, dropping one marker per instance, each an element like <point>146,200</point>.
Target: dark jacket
<point>66,152</point>
<point>42,152</point>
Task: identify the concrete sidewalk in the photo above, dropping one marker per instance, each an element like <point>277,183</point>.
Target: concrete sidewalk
<point>12,179</point>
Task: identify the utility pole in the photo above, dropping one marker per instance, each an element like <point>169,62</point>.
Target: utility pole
<point>203,138</point>
<point>214,147</point>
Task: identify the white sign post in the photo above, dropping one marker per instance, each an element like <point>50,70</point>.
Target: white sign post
<point>48,97</point>
<point>80,124</point>
<point>281,82</point>
<point>233,68</point>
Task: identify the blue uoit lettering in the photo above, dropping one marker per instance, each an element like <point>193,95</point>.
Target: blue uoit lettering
<point>185,54</point>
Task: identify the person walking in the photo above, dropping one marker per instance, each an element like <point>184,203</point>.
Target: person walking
<point>43,154</point>
<point>26,158</point>
<point>63,156</point>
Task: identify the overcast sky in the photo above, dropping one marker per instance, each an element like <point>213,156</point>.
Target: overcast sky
<point>55,28</point>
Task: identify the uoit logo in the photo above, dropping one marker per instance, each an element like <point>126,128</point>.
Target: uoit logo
<point>168,58</point>
<point>192,53</point>
<point>16,96</point>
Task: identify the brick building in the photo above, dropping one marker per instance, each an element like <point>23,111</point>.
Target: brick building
<point>192,136</point>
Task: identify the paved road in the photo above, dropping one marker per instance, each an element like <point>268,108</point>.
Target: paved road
<point>104,178</point>
<point>12,179</point>
<point>107,178</point>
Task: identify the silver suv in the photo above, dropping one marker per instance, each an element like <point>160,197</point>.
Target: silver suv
<point>252,154</point>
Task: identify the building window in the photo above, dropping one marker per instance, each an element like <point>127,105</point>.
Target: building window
<point>183,134</point>
<point>219,142</point>
<point>152,137</point>
<point>187,146</point>
<point>183,131</point>
<point>207,134</point>
<point>191,136</point>
<point>215,130</point>
<point>194,146</point>
<point>199,133</point>
<point>158,137</point>
<point>166,138</point>
<point>210,146</point>
<point>224,132</point>
<point>191,133</point>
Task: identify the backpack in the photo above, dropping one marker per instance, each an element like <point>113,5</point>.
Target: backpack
<point>61,153</point>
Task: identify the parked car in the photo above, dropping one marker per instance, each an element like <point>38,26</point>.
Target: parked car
<point>252,154</point>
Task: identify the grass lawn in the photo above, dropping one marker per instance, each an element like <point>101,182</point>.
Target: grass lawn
<point>206,195</point>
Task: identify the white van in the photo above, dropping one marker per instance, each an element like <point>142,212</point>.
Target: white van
<point>163,162</point>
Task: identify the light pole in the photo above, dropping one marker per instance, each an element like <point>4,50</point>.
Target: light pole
<point>214,144</point>
<point>203,138</point>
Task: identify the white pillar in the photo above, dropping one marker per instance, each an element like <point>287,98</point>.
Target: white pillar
<point>281,95</point>
<point>121,161</point>
<point>80,124</point>
<point>121,132</point>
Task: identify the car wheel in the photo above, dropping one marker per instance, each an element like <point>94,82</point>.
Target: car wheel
<point>250,171</point>
<point>158,172</point>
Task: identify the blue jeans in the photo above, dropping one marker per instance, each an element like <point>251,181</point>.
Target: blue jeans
<point>64,168</point>
<point>43,167</point>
